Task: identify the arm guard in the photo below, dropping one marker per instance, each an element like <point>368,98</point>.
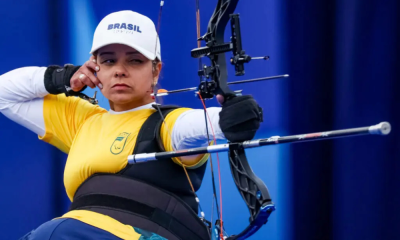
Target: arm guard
<point>57,79</point>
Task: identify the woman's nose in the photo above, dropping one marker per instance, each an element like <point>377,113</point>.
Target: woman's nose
<point>119,73</point>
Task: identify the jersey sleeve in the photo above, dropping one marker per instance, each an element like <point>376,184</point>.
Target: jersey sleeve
<point>63,117</point>
<point>170,139</point>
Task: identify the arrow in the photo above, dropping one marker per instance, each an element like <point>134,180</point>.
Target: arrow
<point>163,92</point>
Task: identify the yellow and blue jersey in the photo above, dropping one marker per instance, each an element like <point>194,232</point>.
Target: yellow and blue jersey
<point>97,141</point>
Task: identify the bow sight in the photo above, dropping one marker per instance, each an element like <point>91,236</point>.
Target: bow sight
<point>235,46</point>
<point>215,49</point>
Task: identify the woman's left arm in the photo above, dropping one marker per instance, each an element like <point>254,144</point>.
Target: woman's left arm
<point>186,128</point>
<point>237,120</point>
<point>190,128</point>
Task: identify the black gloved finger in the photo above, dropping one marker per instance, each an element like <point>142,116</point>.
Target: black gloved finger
<point>239,110</point>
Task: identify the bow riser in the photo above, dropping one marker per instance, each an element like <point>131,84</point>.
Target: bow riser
<point>215,50</point>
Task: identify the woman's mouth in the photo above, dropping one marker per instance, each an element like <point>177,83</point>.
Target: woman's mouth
<point>120,86</point>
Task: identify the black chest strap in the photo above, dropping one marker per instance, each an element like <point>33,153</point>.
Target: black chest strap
<point>149,137</point>
<point>156,172</point>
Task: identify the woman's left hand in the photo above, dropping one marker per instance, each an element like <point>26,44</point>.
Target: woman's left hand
<point>239,118</point>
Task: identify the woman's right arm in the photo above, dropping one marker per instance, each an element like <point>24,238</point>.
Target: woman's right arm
<point>56,118</point>
<point>21,97</point>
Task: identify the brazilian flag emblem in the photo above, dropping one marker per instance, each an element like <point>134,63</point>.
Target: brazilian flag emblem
<point>119,143</point>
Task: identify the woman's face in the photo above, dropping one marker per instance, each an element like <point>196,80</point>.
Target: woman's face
<point>127,76</point>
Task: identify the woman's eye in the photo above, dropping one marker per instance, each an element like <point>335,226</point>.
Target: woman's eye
<point>108,61</point>
<point>136,61</point>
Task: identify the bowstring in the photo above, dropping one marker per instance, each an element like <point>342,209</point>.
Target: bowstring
<point>219,214</point>
<point>163,118</point>
<point>219,168</point>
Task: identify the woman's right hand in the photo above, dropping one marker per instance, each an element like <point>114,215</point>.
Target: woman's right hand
<point>85,76</point>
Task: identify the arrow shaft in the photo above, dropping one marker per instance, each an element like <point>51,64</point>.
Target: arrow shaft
<point>258,79</point>
<point>229,83</point>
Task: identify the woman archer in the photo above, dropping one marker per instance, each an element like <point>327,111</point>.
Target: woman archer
<point>112,199</point>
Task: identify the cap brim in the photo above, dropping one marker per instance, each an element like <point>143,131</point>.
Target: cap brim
<point>147,54</point>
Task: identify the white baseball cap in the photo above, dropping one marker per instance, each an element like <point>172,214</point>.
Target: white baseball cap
<point>129,28</point>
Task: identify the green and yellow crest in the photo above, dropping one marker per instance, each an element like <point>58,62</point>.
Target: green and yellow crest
<point>119,143</point>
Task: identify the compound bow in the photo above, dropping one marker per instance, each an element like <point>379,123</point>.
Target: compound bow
<point>213,81</point>
<point>253,190</point>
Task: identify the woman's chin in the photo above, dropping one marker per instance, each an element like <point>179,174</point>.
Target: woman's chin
<point>121,98</point>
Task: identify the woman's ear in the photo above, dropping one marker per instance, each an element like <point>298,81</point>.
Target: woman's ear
<point>157,66</point>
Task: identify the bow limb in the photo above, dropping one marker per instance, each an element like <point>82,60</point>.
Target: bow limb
<point>253,190</point>
<point>216,27</point>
